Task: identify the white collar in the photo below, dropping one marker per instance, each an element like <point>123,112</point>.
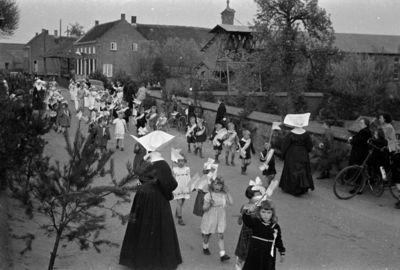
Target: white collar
<point>298,130</point>
<point>153,156</point>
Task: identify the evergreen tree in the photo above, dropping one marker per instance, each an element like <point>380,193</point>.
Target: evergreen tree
<point>66,194</point>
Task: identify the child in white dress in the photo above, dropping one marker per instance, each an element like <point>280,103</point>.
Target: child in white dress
<point>120,129</point>
<point>182,192</point>
<point>214,217</point>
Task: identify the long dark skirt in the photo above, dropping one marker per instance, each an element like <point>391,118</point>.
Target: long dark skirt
<point>150,241</point>
<point>296,177</point>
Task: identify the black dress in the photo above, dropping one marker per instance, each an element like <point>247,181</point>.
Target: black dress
<point>296,176</point>
<point>262,243</point>
<point>150,241</point>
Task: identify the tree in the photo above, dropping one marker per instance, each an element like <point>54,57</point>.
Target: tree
<point>20,138</point>
<point>10,11</point>
<point>67,196</point>
<point>293,37</point>
<point>76,30</point>
<point>159,71</point>
<point>180,56</point>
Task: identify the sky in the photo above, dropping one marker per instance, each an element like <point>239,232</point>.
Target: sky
<point>379,17</point>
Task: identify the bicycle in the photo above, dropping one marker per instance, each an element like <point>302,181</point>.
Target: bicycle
<point>346,180</point>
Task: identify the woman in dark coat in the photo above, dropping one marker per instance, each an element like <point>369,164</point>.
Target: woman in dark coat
<point>296,176</point>
<point>151,241</point>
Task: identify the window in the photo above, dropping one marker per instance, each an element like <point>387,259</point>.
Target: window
<point>396,68</point>
<point>6,65</point>
<point>108,70</point>
<point>113,46</point>
<point>90,50</point>
<point>94,50</point>
<point>85,50</point>
<point>134,47</point>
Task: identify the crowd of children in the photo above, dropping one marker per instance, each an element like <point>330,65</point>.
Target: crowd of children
<point>257,217</point>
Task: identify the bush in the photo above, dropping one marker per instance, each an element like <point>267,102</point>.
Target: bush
<point>122,77</point>
<point>98,75</point>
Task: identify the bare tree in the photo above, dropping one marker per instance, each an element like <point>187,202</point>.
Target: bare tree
<point>75,30</point>
<point>9,11</point>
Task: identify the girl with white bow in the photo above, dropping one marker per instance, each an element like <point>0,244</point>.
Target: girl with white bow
<point>254,192</point>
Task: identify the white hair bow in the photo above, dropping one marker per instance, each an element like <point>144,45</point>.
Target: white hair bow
<point>257,185</point>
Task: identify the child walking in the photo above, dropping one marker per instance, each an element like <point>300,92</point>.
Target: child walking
<point>64,117</point>
<point>181,193</point>
<point>152,118</point>
<point>208,171</point>
<point>267,237</point>
<point>214,218</point>
<point>120,129</point>
<point>100,135</point>
<point>162,122</point>
<point>253,194</point>
<point>267,156</point>
<point>201,136</point>
<point>245,146</point>
<point>230,144</point>
<point>217,140</point>
<point>190,133</point>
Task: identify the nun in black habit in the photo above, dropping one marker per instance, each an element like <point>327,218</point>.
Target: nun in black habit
<point>151,241</point>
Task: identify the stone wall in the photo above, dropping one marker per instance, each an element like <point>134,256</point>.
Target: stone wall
<point>262,121</point>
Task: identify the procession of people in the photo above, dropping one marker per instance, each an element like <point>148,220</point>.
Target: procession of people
<point>151,240</point>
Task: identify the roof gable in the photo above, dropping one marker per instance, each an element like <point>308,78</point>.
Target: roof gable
<point>97,31</point>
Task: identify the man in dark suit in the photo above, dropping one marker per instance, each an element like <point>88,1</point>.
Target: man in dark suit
<point>221,111</point>
<point>359,150</point>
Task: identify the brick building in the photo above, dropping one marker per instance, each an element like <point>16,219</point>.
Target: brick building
<point>35,60</point>
<point>112,46</point>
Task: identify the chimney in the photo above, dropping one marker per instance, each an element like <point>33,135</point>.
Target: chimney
<point>122,17</point>
<point>37,33</point>
<point>43,30</point>
<point>55,33</point>
<point>133,20</point>
<point>96,22</point>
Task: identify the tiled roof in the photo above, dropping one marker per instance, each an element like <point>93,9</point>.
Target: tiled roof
<point>232,28</point>
<point>66,50</point>
<point>97,31</point>
<point>161,33</point>
<point>362,43</point>
<point>11,46</point>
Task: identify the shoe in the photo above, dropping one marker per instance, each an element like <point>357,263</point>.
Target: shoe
<point>206,251</point>
<point>232,163</point>
<point>189,151</point>
<point>216,162</point>
<point>398,203</point>
<point>195,151</point>
<point>244,173</point>
<point>180,222</point>
<point>227,163</point>
<point>122,149</point>
<point>117,147</point>
<point>225,258</point>
<point>397,206</point>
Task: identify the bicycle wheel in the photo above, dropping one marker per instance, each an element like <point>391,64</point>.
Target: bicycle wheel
<point>171,122</point>
<point>182,124</point>
<point>377,185</point>
<point>392,186</point>
<point>345,185</point>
